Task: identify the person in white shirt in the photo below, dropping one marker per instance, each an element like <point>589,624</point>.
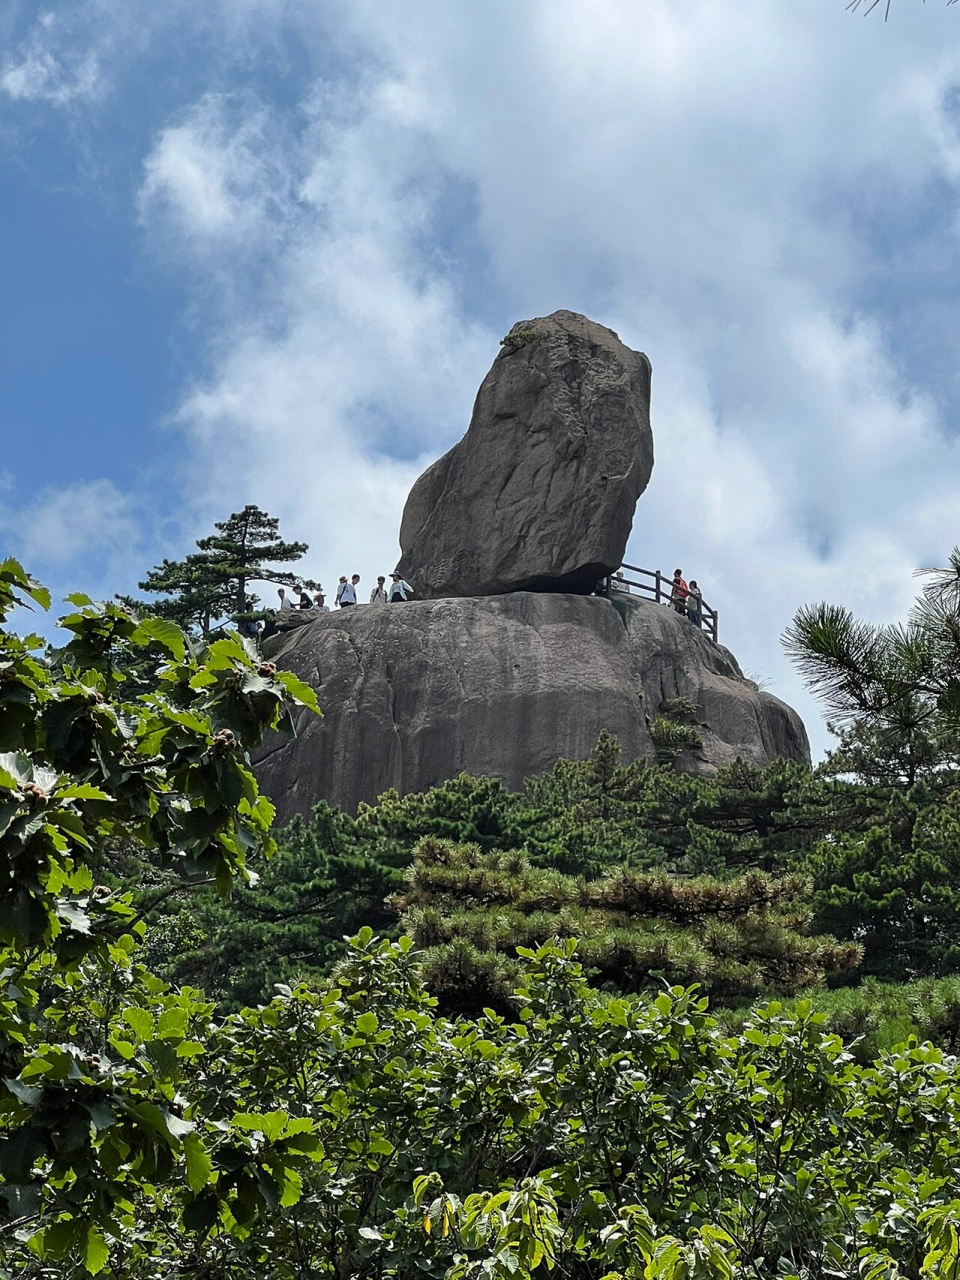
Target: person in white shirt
<point>379,593</point>
<point>318,604</point>
<point>617,583</point>
<point>694,603</point>
<point>346,592</point>
<point>399,590</point>
<point>285,601</point>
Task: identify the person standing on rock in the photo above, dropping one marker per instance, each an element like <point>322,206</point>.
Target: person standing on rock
<point>379,593</point>
<point>305,601</point>
<point>695,603</point>
<point>346,593</point>
<point>678,593</point>
<point>285,602</point>
<point>618,583</point>
<point>318,603</point>
<point>399,590</point>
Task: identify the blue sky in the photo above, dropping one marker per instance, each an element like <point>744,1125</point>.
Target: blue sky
<point>264,250</point>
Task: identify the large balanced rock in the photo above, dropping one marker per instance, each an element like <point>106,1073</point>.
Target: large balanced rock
<point>505,686</point>
<point>540,492</point>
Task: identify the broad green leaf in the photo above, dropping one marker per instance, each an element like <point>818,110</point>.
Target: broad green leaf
<point>165,633</point>
<point>172,1023</point>
<point>28,1094</point>
<point>271,1124</point>
<point>292,1188</point>
<point>190,1049</point>
<point>95,1255</point>
<point>140,1021</point>
<point>73,915</point>
<point>224,654</point>
<point>81,791</point>
<point>368,1023</point>
<point>199,1166</point>
<point>16,769</point>
<point>298,690</point>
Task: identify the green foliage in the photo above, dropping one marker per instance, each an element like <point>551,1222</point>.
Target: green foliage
<point>516,339</point>
<point>675,729</point>
<point>875,1017</point>
<point>470,910</point>
<point>900,683</point>
<point>590,818</point>
<point>211,584</point>
<point>591,815</point>
<point>352,1132</point>
<point>893,882</point>
<point>333,873</point>
<point>324,882</point>
<point>477,810</point>
<point>83,767</point>
<point>880,756</point>
<point>897,888</point>
<point>346,1129</point>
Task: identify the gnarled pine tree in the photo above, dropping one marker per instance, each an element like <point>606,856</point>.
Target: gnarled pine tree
<point>212,584</point>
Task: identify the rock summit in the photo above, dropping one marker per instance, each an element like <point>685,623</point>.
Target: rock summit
<point>539,494</point>
<point>504,661</point>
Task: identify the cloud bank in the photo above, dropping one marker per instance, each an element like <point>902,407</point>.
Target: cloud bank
<point>763,198</point>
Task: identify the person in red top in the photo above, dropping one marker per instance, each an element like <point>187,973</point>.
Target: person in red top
<point>678,592</point>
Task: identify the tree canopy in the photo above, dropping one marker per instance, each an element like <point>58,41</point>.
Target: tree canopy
<point>348,1126</point>
<point>901,682</point>
<point>83,1123</point>
<point>212,584</point>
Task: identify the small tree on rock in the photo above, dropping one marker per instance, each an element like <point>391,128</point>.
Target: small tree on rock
<point>213,583</point>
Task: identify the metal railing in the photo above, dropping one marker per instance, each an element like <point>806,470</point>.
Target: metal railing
<point>660,589</point>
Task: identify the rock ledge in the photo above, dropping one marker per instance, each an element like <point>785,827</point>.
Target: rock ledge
<point>505,686</point>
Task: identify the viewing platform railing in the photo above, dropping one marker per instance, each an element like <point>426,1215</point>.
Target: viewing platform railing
<point>659,586</point>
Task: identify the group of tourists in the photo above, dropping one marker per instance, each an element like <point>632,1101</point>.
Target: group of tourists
<point>685,597</point>
<point>299,601</point>
<point>396,593</point>
<point>347,594</point>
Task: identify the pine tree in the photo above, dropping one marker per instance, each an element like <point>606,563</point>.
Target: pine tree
<point>195,592</point>
<point>469,909</point>
<point>244,545</point>
<point>212,583</point>
<point>900,683</point>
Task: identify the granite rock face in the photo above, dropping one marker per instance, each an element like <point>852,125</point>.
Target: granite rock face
<point>505,686</point>
<point>540,492</point>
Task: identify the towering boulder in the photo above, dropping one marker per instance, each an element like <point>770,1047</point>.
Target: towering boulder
<point>505,686</point>
<point>504,663</point>
<point>540,492</point>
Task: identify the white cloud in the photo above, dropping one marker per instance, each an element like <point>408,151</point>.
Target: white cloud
<point>689,174</point>
<point>62,527</point>
<point>354,358</point>
<point>219,178</point>
<point>83,51</point>
<point>42,71</point>
<point>738,188</point>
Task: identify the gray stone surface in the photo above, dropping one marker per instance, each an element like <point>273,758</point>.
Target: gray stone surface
<point>505,686</point>
<point>540,492</point>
